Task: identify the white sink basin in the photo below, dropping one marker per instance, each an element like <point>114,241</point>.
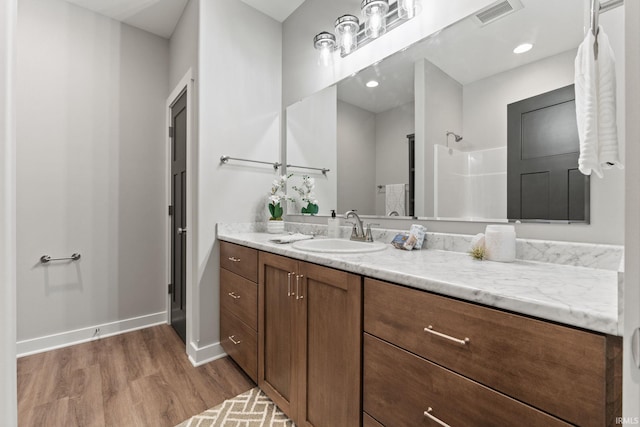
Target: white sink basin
<point>338,246</point>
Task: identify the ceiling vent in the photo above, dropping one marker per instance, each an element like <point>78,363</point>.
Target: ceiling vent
<point>497,11</point>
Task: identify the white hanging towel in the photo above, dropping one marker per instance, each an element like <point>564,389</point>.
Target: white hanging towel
<point>595,86</point>
<point>394,198</point>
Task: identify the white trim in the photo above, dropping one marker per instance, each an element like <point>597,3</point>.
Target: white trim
<point>206,354</point>
<point>8,385</point>
<point>78,336</point>
<point>631,294</point>
<point>186,84</point>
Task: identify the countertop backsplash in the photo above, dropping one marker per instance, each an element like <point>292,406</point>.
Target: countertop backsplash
<point>600,256</point>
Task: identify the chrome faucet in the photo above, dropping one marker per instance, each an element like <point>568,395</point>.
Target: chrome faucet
<point>358,232</point>
<point>358,228</point>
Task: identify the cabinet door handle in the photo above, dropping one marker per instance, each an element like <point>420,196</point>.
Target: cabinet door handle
<point>427,413</point>
<point>233,295</point>
<point>234,259</point>
<point>289,293</point>
<point>231,338</point>
<point>441,335</point>
<point>298,277</point>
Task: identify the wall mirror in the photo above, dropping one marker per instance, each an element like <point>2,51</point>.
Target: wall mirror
<point>430,140</point>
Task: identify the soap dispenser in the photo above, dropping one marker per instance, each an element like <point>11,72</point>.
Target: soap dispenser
<point>333,226</point>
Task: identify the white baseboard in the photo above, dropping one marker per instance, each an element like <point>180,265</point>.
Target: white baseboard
<point>208,353</point>
<point>78,336</point>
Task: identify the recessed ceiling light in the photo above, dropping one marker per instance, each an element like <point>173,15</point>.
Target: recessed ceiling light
<point>372,83</point>
<point>524,47</point>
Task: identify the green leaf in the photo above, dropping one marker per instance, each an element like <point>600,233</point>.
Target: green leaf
<point>275,210</point>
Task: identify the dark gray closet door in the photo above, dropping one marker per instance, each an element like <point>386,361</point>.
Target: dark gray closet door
<point>543,181</point>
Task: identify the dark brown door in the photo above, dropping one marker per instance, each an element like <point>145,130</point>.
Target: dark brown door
<point>178,218</point>
<point>543,149</point>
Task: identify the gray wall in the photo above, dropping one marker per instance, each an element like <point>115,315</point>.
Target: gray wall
<point>91,162</point>
<point>392,150</point>
<point>356,158</point>
<point>183,45</point>
<point>240,69</point>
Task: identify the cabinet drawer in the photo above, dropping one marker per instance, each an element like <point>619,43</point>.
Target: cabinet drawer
<point>240,260</point>
<point>558,369</point>
<point>399,387</point>
<point>240,297</point>
<point>240,342</point>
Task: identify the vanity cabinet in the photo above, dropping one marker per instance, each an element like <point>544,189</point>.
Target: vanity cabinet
<point>310,340</point>
<point>428,357</point>
<point>239,305</point>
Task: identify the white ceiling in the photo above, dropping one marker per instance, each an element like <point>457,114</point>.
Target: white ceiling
<point>155,16</point>
<point>160,17</point>
<point>277,9</point>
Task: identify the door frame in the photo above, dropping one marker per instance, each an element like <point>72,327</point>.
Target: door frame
<point>186,84</point>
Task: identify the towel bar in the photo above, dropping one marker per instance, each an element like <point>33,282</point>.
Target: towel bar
<point>46,258</point>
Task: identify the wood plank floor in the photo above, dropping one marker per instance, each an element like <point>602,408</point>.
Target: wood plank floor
<point>141,378</point>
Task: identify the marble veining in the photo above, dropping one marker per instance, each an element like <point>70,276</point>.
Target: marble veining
<point>585,297</point>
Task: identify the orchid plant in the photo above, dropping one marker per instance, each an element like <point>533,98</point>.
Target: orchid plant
<point>305,191</point>
<point>277,195</point>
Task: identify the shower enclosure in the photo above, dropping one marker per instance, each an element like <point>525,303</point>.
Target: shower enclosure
<point>470,184</point>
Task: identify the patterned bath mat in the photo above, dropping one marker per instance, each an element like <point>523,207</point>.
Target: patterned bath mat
<point>250,409</point>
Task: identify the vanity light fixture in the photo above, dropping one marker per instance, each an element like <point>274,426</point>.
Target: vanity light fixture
<point>325,42</point>
<point>372,83</point>
<point>408,9</point>
<point>378,17</point>
<point>524,47</point>
<point>375,17</point>
<point>347,27</point>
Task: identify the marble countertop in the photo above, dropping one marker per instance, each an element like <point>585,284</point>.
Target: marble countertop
<point>577,296</point>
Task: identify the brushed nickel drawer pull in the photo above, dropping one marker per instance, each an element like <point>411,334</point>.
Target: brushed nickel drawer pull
<point>298,277</point>
<point>233,295</point>
<point>427,413</point>
<point>231,338</point>
<point>441,335</point>
<point>234,259</point>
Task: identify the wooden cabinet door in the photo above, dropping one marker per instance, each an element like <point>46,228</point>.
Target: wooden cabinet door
<point>275,330</point>
<point>328,349</point>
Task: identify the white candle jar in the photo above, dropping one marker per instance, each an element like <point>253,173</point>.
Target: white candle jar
<point>500,243</point>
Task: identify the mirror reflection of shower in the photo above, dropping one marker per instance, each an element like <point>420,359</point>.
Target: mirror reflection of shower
<point>456,137</point>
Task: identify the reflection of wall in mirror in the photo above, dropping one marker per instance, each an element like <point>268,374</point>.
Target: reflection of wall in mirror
<point>372,151</point>
<point>392,149</point>
<point>356,158</point>
<point>486,100</point>
<point>438,110</point>
<point>311,141</point>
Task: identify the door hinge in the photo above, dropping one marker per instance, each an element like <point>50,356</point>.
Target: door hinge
<point>170,288</point>
<point>170,210</point>
<point>170,131</point>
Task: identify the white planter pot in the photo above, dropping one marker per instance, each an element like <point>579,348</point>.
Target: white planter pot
<point>275,227</point>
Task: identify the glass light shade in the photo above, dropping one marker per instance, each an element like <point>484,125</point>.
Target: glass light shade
<point>408,9</point>
<point>325,42</point>
<point>347,27</point>
<point>375,17</point>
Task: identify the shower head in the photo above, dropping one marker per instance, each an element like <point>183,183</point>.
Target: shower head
<point>457,137</point>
